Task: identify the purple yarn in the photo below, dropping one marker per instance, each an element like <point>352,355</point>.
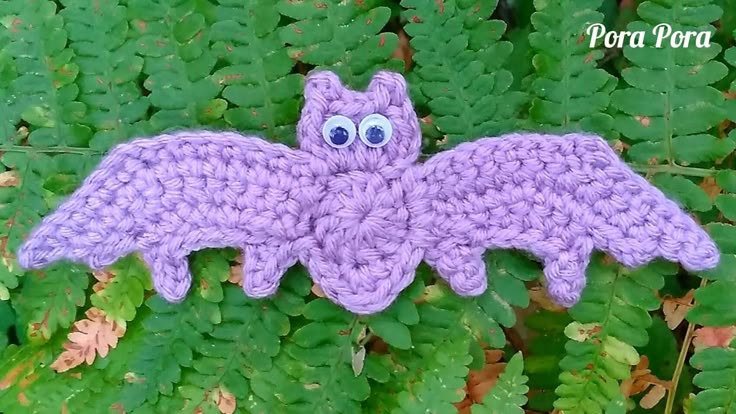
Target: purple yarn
<point>362,218</point>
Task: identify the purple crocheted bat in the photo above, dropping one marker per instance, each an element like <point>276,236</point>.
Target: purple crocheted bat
<point>361,213</point>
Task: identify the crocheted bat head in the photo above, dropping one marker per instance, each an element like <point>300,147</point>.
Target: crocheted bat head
<point>351,130</point>
<point>354,206</point>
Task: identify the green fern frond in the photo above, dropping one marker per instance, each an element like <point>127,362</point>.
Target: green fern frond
<point>611,318</point>
<point>20,368</point>
<point>173,332</point>
<point>508,395</point>
<point>9,108</point>
<point>49,299</point>
<point>571,93</point>
<point>543,354</point>
<point>93,389</point>
<point>433,372</point>
<point>668,106</point>
<point>345,37</point>
<point>430,355</point>
<point>109,69</point>
<point>211,267</point>
<point>121,298</point>
<point>430,375</point>
<point>259,86</point>
<point>507,273</point>
<point>45,88</point>
<point>21,206</point>
<point>730,57</point>
<point>318,355</point>
<point>459,58</point>
<point>37,77</point>
<point>717,379</point>
<point>173,38</point>
<point>714,303</point>
<point>245,341</point>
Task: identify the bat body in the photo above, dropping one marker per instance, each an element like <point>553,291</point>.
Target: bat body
<point>362,214</point>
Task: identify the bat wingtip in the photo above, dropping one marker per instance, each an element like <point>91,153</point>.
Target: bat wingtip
<point>705,257</point>
<point>28,258</point>
<point>36,253</point>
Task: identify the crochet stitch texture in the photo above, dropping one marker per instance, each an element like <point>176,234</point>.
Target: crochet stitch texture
<point>361,218</point>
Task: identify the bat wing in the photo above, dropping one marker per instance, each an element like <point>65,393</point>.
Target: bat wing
<point>170,195</point>
<point>557,197</point>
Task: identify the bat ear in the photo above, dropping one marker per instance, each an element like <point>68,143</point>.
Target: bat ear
<point>324,86</point>
<point>386,85</point>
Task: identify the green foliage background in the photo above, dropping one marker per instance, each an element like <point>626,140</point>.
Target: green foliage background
<point>79,76</point>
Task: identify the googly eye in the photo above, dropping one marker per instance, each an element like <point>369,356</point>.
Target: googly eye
<point>375,130</point>
<point>338,131</point>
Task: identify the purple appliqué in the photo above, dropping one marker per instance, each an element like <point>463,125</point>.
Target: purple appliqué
<point>361,218</point>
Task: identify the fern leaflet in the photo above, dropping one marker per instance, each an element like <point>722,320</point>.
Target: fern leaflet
<point>611,318</point>
<point>508,395</point>
<point>668,106</point>
<point>174,39</point>
<point>258,79</point>
<point>717,378</point>
<point>344,37</point>
<point>109,69</point>
<point>459,59</point>
<point>571,93</point>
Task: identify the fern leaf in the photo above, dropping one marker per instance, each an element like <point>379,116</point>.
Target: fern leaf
<point>730,57</point>
<point>211,267</point>
<point>429,376</point>
<point>45,88</point>
<point>668,105</point>
<point>109,69</point>
<point>541,361</point>
<point>318,355</point>
<point>49,299</point>
<point>508,395</point>
<point>43,394</point>
<point>123,295</point>
<point>262,92</point>
<point>445,338</point>
<point>714,305</point>
<point>611,318</point>
<point>571,94</point>
<point>7,321</point>
<point>17,365</point>
<point>717,379</point>
<point>93,389</point>
<point>459,58</point>
<point>38,75</point>
<point>9,108</point>
<point>485,314</point>
<point>173,333</point>
<point>246,341</point>
<point>344,37</point>
<point>174,41</point>
<point>432,374</point>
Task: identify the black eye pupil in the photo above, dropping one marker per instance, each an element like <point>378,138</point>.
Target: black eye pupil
<point>374,134</point>
<point>339,135</point>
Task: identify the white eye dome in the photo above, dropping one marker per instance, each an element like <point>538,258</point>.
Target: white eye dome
<point>338,131</point>
<point>375,130</point>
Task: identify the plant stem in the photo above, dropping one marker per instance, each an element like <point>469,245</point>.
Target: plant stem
<point>681,362</point>
<point>674,169</point>
<point>50,150</point>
